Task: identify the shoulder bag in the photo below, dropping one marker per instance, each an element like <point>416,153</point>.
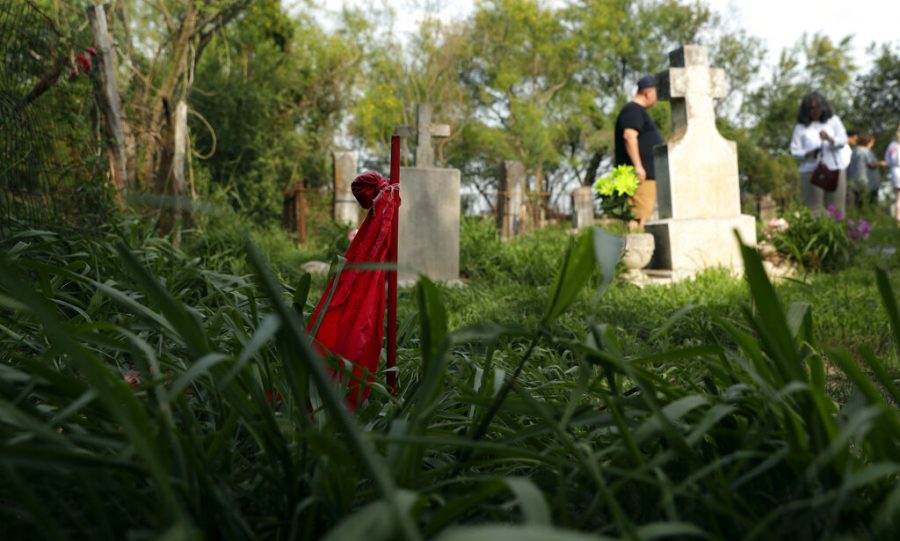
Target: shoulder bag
<point>822,176</point>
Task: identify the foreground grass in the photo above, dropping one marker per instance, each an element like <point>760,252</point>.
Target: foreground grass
<point>700,410</point>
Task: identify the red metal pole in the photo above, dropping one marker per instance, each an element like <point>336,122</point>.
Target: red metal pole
<point>392,277</point>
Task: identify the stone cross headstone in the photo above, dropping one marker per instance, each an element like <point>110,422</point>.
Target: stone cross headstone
<point>698,190</point>
<point>428,231</point>
<point>510,208</point>
<point>582,207</point>
<point>424,131</point>
<point>345,207</point>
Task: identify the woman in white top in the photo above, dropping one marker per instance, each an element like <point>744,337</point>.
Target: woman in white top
<point>819,134</point>
<point>892,157</point>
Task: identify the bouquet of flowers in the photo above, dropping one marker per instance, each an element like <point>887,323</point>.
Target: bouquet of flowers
<point>615,190</point>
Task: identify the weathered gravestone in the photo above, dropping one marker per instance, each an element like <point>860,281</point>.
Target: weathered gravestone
<point>428,230</point>
<point>512,214</point>
<point>293,215</point>
<point>698,192</point>
<point>766,207</point>
<point>583,207</point>
<point>344,205</point>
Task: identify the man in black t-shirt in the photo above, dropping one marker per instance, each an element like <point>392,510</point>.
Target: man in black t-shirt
<point>635,137</point>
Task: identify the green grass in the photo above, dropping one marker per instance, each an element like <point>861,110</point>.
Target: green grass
<point>531,405</point>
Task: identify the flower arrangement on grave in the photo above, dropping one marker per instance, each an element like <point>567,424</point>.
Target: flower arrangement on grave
<point>616,190</point>
<point>817,241</point>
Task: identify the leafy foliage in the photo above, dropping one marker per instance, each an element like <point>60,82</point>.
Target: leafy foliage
<point>877,96</point>
<point>524,424</point>
<point>268,102</point>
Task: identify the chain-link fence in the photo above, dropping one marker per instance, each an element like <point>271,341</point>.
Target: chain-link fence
<point>51,164</point>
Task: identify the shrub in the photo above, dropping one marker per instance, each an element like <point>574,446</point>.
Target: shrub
<point>816,241</point>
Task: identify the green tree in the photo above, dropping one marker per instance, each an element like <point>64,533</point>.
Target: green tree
<point>269,100</point>
<point>876,95</point>
<point>813,63</point>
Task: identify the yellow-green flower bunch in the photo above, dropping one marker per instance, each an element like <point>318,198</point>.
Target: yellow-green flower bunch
<point>622,181</point>
<point>615,189</point>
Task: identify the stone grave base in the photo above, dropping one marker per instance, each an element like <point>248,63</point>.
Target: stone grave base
<point>686,246</point>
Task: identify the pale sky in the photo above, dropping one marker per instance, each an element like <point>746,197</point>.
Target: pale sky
<point>779,23</point>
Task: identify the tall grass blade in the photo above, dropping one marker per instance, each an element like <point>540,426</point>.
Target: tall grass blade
<point>117,397</point>
<point>531,501</point>
<point>373,521</point>
<point>608,250</point>
<point>183,321</point>
<point>769,319</point>
<point>889,300</point>
<point>577,267</point>
<point>516,533</point>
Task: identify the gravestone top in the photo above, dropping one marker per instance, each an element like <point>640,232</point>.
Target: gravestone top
<point>424,130</point>
<point>691,85</point>
<point>697,169</point>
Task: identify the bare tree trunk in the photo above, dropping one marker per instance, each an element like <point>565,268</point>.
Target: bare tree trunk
<point>164,168</point>
<point>107,92</point>
<point>179,183</point>
<point>169,92</point>
<point>591,174</point>
<point>540,215</point>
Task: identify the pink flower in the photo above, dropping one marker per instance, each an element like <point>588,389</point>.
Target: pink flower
<point>133,378</point>
<point>858,229</point>
<point>835,213</point>
<point>779,225</point>
<point>352,234</point>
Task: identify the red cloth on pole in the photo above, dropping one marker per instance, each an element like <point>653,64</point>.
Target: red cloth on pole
<point>353,325</point>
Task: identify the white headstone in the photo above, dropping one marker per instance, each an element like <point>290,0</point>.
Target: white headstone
<point>428,229</point>
<point>698,188</point>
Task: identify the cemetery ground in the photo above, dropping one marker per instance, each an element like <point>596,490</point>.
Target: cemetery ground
<point>148,391</point>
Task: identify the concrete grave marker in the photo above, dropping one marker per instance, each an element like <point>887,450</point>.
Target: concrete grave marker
<point>698,190</point>
<point>428,232</point>
<point>582,207</point>
<point>512,215</point>
<point>345,207</point>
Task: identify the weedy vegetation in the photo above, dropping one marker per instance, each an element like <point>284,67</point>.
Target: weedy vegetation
<point>148,391</point>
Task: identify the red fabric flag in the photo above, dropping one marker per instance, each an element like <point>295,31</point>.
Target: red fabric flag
<point>353,325</point>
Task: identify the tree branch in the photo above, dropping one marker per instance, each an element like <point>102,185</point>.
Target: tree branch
<point>208,28</point>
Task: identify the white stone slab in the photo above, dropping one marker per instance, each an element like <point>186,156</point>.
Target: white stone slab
<point>428,230</point>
